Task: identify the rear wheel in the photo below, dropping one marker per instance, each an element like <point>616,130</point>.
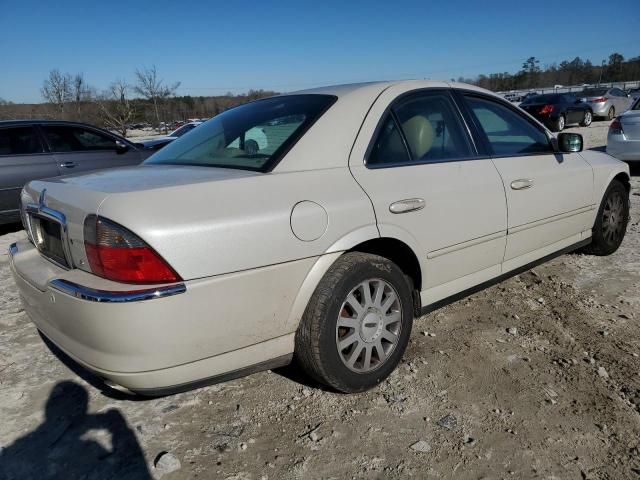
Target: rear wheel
<point>357,324</point>
<point>559,124</point>
<point>611,113</point>
<point>587,119</point>
<point>611,222</point>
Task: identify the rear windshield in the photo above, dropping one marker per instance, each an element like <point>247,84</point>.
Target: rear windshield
<point>549,98</point>
<point>593,92</point>
<point>253,136</point>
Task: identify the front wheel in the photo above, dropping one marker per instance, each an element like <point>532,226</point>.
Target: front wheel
<point>559,124</point>
<point>611,113</point>
<point>357,324</point>
<point>587,119</point>
<point>611,222</point>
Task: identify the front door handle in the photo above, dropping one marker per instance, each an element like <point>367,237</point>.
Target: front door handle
<point>406,206</point>
<point>521,184</point>
<point>69,164</point>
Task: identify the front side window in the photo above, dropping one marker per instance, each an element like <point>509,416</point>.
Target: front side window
<point>425,124</point>
<point>64,138</point>
<point>508,132</point>
<point>19,141</point>
<point>249,137</point>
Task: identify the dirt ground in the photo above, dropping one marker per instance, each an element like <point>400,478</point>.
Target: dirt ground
<point>537,377</point>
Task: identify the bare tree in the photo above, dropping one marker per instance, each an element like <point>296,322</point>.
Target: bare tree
<point>153,88</point>
<point>57,89</point>
<point>116,109</point>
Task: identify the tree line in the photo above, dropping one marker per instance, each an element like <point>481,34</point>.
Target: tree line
<point>149,100</point>
<point>568,72</point>
<point>153,100</point>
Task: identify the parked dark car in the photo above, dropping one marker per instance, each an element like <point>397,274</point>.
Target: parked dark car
<point>34,149</point>
<point>557,110</point>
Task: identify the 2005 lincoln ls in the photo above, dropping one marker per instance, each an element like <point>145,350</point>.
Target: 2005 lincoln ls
<point>313,225</point>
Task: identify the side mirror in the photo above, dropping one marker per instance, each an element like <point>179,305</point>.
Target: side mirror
<point>121,147</point>
<point>570,142</point>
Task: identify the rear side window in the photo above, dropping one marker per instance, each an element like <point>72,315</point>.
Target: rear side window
<point>19,141</point>
<point>76,139</point>
<point>424,127</point>
<point>253,136</point>
<point>508,132</point>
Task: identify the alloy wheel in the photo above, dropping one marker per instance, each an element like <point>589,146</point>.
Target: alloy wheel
<point>587,119</point>
<point>368,326</point>
<point>613,218</point>
<point>611,113</point>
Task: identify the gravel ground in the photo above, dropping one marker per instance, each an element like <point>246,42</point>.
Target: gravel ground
<point>537,377</point>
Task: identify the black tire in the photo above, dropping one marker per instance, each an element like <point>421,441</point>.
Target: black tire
<point>316,342</point>
<point>587,119</point>
<point>559,124</point>
<point>608,233</point>
<point>611,113</point>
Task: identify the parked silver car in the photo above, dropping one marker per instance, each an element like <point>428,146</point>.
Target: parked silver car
<point>606,102</point>
<point>623,140</point>
<point>35,149</point>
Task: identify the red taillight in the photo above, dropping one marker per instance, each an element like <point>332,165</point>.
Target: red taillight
<point>117,254</point>
<point>616,127</point>
<point>546,109</point>
<point>598,100</point>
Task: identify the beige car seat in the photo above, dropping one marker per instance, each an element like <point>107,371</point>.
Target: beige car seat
<point>419,134</point>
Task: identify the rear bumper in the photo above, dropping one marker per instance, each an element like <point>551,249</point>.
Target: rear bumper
<point>159,339</point>
<point>623,149</point>
<point>600,109</point>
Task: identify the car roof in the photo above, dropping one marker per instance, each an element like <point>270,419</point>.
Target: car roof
<point>349,89</point>
<point>4,123</point>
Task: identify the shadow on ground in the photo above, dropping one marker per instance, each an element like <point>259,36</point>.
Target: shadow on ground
<point>74,444</point>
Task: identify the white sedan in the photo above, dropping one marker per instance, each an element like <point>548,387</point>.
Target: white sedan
<point>313,225</point>
<point>623,139</point>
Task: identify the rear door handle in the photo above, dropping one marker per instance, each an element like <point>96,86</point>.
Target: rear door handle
<point>406,206</point>
<point>521,184</point>
<point>69,164</point>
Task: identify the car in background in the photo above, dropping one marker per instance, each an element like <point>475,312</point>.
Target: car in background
<point>623,139</point>
<point>529,95</point>
<point>35,149</point>
<point>606,102</point>
<point>157,143</point>
<point>303,225</point>
<point>634,93</point>
<point>557,110</point>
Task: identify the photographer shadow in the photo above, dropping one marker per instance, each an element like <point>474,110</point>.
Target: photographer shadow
<point>73,444</point>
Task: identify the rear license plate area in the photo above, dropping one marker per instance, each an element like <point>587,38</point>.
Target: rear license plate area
<point>48,239</point>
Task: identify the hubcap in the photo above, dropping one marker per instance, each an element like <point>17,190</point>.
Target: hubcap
<point>611,112</point>
<point>613,218</point>
<point>561,123</point>
<point>587,118</point>
<point>368,326</point>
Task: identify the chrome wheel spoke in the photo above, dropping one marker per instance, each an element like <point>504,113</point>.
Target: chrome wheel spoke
<point>382,355</point>
<point>355,305</point>
<point>379,292</point>
<point>388,302</point>
<point>392,317</point>
<point>354,355</point>
<point>348,322</point>
<point>366,364</point>
<point>347,341</point>
<point>389,336</point>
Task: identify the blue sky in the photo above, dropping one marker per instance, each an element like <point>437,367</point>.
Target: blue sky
<point>214,47</point>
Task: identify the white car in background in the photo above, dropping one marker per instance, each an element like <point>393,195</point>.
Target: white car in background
<point>160,142</point>
<point>623,139</point>
<point>316,224</point>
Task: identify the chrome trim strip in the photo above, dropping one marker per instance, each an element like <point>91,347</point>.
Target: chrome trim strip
<point>555,218</point>
<point>469,243</point>
<point>94,295</point>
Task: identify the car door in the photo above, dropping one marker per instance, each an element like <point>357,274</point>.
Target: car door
<point>623,100</point>
<point>81,149</point>
<point>573,108</point>
<point>429,187</point>
<point>22,158</point>
<point>549,194</point>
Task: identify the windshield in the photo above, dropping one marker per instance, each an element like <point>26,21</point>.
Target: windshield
<point>593,92</point>
<point>548,98</point>
<point>253,136</point>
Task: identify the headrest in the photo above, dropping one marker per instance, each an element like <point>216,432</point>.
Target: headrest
<point>419,134</point>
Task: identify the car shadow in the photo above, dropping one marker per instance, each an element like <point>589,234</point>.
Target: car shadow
<point>635,169</point>
<point>72,443</point>
<point>295,373</point>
